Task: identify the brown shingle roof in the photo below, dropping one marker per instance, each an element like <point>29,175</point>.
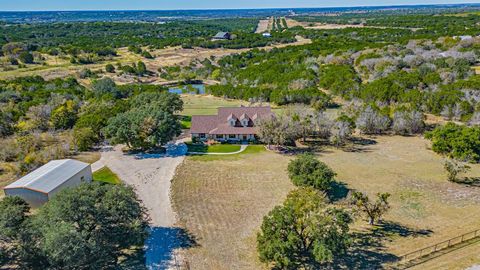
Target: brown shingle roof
<point>218,124</point>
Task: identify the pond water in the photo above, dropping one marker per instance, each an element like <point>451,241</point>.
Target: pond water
<point>192,89</point>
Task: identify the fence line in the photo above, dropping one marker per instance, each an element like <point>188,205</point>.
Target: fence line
<point>441,246</point>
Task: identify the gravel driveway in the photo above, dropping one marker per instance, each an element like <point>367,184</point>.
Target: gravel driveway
<point>150,175</point>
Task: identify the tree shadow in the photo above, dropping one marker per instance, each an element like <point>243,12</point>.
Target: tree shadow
<point>368,250</point>
<point>338,191</point>
<point>359,145</point>
<point>469,181</point>
<point>160,247</point>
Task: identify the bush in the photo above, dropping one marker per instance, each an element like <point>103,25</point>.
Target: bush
<point>370,121</point>
<point>26,58</point>
<point>456,141</point>
<point>408,122</point>
<point>110,68</point>
<point>306,170</point>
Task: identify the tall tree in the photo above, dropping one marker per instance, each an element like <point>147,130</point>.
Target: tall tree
<point>89,227</point>
<point>302,230</point>
<point>306,170</point>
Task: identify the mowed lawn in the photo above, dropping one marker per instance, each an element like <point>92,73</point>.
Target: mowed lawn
<point>221,202</point>
<point>216,148</point>
<point>107,176</point>
<point>206,105</point>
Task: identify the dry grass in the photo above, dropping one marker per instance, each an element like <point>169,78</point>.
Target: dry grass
<point>222,203</point>
<point>422,199</point>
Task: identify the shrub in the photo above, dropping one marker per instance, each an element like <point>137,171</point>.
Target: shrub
<point>370,121</point>
<point>110,68</point>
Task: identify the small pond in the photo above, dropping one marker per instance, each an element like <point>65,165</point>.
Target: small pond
<point>192,89</point>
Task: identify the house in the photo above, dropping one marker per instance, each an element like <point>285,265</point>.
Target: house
<point>267,35</point>
<point>37,187</point>
<point>222,36</point>
<point>230,124</point>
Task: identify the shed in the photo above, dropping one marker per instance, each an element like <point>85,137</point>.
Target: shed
<point>222,35</point>
<point>37,187</point>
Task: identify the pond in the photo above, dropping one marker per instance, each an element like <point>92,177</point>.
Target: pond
<point>192,89</point>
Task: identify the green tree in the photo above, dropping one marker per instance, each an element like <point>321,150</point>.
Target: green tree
<point>89,227</point>
<point>64,116</point>
<point>110,68</point>
<point>105,87</point>
<point>374,210</point>
<point>150,124</point>
<point>84,138</point>
<point>306,170</point>
<point>141,68</point>
<point>13,215</point>
<point>302,230</point>
<point>26,57</point>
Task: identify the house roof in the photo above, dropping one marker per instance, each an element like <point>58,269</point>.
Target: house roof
<point>221,35</point>
<point>51,175</point>
<point>218,124</point>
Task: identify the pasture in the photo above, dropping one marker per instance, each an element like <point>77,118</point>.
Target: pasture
<point>221,202</point>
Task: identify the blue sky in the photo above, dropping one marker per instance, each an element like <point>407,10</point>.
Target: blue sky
<point>198,4</point>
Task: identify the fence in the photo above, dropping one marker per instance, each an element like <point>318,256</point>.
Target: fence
<point>440,246</point>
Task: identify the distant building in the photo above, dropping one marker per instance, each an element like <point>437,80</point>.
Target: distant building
<point>37,187</point>
<point>230,124</point>
<point>267,35</point>
<point>222,36</point>
<point>463,37</point>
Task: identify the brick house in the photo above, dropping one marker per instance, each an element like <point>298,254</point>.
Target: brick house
<point>230,124</point>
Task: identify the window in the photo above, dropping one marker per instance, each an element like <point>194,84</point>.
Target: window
<point>82,179</point>
<point>202,135</point>
<point>232,136</point>
<point>220,136</point>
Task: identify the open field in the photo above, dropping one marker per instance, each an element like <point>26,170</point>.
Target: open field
<point>206,105</point>
<point>57,67</point>
<point>221,202</point>
<point>330,26</point>
<point>263,26</point>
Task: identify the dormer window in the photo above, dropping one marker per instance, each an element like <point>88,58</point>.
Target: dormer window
<point>231,122</point>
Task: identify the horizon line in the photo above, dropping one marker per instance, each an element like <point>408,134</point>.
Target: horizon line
<point>260,8</point>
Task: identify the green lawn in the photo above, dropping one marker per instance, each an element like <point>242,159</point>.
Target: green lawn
<point>251,149</point>
<point>107,176</point>
<point>217,148</point>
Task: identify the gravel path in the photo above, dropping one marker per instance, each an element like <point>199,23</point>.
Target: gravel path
<point>150,175</point>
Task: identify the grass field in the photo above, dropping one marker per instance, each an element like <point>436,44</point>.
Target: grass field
<point>222,204</point>
<point>107,176</point>
<point>222,201</point>
<point>206,105</point>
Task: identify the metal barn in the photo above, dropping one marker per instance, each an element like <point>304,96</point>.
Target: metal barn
<point>39,186</point>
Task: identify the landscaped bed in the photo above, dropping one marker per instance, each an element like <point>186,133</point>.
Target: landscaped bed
<point>107,176</point>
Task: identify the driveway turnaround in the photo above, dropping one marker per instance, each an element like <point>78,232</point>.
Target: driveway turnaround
<point>150,175</point>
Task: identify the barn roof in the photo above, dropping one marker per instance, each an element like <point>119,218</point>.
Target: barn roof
<point>51,175</point>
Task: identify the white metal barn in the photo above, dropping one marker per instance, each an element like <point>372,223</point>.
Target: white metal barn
<point>39,186</point>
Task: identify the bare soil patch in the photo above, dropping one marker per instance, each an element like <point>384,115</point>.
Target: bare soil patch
<point>262,26</point>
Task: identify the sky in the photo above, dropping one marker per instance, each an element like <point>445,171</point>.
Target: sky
<point>36,5</point>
